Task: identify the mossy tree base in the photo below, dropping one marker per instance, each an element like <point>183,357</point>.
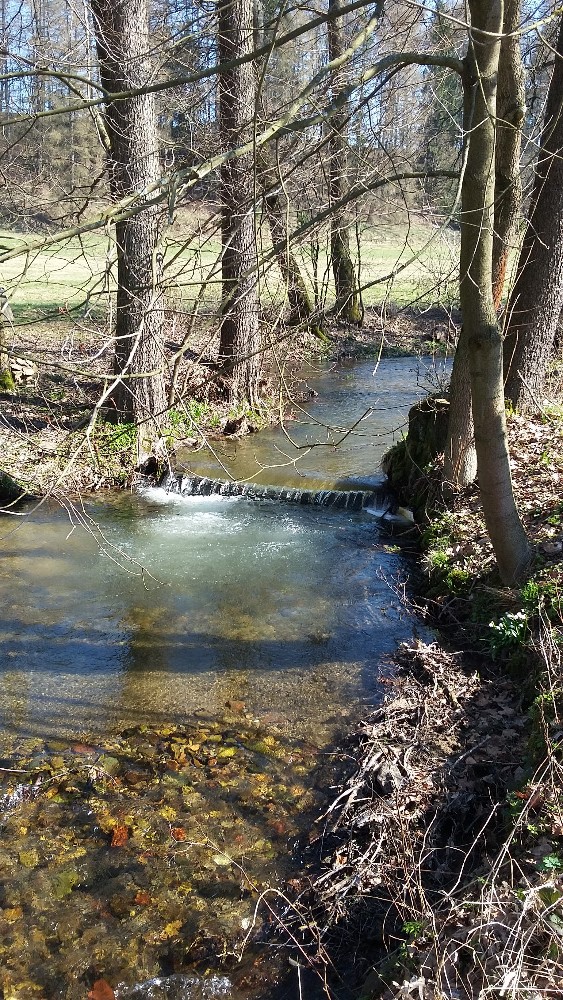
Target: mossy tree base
<point>7,383</point>
<point>10,490</point>
<point>406,463</point>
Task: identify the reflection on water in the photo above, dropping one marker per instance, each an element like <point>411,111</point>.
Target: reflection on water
<point>282,608</point>
<point>336,439</point>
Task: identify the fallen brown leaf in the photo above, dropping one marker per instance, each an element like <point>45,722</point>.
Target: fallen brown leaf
<point>119,837</point>
<point>101,990</point>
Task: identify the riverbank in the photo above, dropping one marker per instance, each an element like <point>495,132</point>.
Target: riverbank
<point>55,441</point>
<point>444,873</point>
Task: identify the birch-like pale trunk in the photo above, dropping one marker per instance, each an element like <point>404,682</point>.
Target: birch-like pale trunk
<point>481,330</point>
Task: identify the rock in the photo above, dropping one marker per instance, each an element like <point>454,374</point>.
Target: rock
<point>10,490</point>
<point>23,370</point>
<point>110,765</point>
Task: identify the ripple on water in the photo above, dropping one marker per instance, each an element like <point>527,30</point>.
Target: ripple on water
<point>179,987</point>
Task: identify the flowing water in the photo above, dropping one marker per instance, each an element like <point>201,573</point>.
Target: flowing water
<point>173,671</point>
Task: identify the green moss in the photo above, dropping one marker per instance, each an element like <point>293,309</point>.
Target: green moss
<point>409,463</point>
<point>9,489</point>
<point>113,450</point>
<point>7,383</point>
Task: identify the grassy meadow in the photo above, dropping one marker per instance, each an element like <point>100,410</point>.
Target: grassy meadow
<point>397,263</point>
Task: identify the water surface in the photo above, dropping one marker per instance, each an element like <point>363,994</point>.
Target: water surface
<point>144,609</point>
<point>173,671</point>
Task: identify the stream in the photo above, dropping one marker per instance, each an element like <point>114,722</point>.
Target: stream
<point>175,671</point>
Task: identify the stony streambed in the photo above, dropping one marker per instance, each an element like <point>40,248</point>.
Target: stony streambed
<point>145,854</point>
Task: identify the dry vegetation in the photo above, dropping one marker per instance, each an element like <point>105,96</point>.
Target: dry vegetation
<point>442,855</point>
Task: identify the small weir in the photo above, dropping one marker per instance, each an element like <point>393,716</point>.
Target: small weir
<point>188,485</point>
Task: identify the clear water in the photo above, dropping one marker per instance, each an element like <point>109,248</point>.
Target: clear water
<point>145,609</point>
<point>337,438</point>
<point>186,604</point>
<point>245,636</point>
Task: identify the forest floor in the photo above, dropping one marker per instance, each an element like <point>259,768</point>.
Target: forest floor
<point>442,867</point>
<point>50,442</point>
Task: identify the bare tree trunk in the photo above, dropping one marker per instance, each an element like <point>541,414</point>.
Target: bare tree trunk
<point>123,43</point>
<point>348,306</point>
<point>480,326</point>
<point>7,383</point>
<point>302,310</point>
<point>460,459</point>
<point>537,297</point>
<point>511,108</point>
<point>239,350</point>
<point>460,456</point>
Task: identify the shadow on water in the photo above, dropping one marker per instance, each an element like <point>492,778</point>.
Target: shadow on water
<point>86,685</point>
<point>286,610</point>
<point>204,652</point>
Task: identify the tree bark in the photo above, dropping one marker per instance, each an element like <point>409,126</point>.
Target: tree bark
<point>123,44</point>
<point>460,456</point>
<point>348,306</point>
<point>537,297</point>
<point>480,326</point>
<point>460,459</point>
<point>239,349</point>
<point>302,310</point>
<point>7,383</point>
<point>511,108</point>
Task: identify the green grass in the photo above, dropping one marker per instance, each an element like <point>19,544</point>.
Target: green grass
<point>397,263</point>
<point>55,279</point>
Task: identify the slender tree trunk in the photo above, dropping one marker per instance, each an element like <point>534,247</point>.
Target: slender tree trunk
<point>480,327</point>
<point>7,383</point>
<point>460,460</point>
<point>123,43</point>
<point>537,297</point>
<point>239,350</point>
<point>4,79</point>
<point>511,108</point>
<point>348,306</point>
<point>460,455</point>
<point>302,310</point>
